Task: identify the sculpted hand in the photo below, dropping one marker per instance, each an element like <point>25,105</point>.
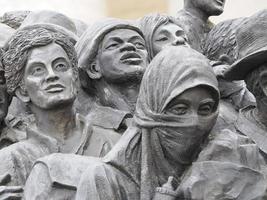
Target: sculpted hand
<point>9,192</point>
<point>219,70</point>
<point>166,191</point>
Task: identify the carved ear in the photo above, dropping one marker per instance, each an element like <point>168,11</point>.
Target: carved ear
<point>22,95</point>
<point>93,71</point>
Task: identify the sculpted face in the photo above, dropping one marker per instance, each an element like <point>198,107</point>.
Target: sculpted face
<point>196,104</point>
<point>122,56</point>
<point>49,78</point>
<point>166,35</point>
<point>4,100</point>
<point>211,7</point>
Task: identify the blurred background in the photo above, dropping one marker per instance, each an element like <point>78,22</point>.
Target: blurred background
<point>92,10</point>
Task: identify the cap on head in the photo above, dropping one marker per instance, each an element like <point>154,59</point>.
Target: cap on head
<point>251,40</point>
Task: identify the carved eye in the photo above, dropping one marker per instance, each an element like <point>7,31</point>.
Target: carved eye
<point>179,109</point>
<point>206,109</point>
<point>162,39</point>
<point>37,70</point>
<point>112,46</point>
<point>139,45</point>
<point>61,67</point>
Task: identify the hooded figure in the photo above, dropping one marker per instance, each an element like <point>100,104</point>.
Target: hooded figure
<point>160,144</point>
<point>149,24</point>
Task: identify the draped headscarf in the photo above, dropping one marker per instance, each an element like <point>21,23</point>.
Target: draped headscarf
<point>149,24</point>
<point>140,152</point>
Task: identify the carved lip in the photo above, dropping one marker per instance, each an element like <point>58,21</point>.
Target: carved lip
<point>131,58</point>
<point>54,88</point>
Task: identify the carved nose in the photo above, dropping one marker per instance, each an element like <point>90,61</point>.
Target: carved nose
<point>179,41</point>
<point>128,47</point>
<point>51,76</point>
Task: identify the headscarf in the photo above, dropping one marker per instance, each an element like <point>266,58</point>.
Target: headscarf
<point>88,45</point>
<point>140,152</point>
<point>149,24</point>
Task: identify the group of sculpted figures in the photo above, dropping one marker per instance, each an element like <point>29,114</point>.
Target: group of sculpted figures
<point>158,108</point>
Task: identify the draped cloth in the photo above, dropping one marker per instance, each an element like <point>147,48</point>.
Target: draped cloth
<point>139,154</point>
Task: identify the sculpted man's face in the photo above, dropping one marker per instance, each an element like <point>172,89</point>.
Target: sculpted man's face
<point>122,56</point>
<point>4,99</point>
<point>166,35</point>
<point>49,78</point>
<point>211,7</point>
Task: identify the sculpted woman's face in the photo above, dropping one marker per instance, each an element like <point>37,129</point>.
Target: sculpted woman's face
<point>195,104</point>
<point>48,77</point>
<point>168,34</point>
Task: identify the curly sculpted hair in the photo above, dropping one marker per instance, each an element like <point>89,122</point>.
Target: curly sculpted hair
<point>18,49</point>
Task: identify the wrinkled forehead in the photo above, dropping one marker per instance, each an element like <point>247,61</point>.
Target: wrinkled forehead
<point>121,34</point>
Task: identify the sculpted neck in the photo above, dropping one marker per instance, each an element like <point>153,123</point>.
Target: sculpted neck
<point>121,96</point>
<point>58,122</point>
<point>196,12</point>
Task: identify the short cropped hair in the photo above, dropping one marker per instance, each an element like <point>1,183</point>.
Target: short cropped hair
<point>24,40</point>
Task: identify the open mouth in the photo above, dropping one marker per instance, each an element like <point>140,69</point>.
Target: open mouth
<point>131,58</point>
<point>54,88</point>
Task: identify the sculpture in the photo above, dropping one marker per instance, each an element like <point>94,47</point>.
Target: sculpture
<point>41,70</point>
<point>161,31</point>
<point>112,59</point>
<point>195,19</point>
<point>132,165</point>
<point>233,165</point>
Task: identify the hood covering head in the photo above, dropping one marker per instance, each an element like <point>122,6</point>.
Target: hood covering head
<point>144,153</point>
<point>166,78</point>
<point>149,24</point>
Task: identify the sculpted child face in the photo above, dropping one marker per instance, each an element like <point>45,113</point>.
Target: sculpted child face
<point>211,7</point>
<point>166,35</point>
<point>122,56</point>
<point>4,99</point>
<point>48,77</point>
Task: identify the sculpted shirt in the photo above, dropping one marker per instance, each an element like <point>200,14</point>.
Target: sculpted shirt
<point>232,166</point>
<point>59,175</point>
<point>18,159</point>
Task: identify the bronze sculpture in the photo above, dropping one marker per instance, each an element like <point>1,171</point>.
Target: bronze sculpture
<point>195,19</point>
<point>41,70</point>
<point>162,143</point>
<point>161,31</point>
<point>177,139</point>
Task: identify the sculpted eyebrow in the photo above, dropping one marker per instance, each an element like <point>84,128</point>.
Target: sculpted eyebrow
<point>59,59</point>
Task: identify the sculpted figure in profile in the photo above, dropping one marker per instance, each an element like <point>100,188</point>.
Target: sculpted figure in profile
<point>175,110</point>
<point>195,19</point>
<point>41,70</point>
<point>112,59</point>
<point>233,166</point>
<point>161,31</point>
